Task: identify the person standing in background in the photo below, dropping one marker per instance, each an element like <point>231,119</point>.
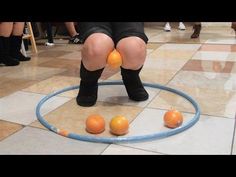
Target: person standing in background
<point>167,26</point>
<point>197,27</point>
<point>10,43</point>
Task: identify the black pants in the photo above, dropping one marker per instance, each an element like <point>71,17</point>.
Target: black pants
<point>116,30</point>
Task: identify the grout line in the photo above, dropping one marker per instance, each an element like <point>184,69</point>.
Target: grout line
<point>108,145</point>
<point>233,139</point>
<point>141,149</point>
<point>11,134</point>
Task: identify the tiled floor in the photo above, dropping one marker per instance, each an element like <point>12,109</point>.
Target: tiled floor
<point>204,68</point>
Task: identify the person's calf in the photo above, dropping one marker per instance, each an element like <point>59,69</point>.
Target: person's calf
<point>133,84</point>
<point>87,95</point>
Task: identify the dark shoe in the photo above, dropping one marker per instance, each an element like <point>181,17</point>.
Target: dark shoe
<point>133,84</point>
<point>197,30</point>
<point>15,46</point>
<point>88,90</point>
<point>87,95</point>
<point>75,40</point>
<point>233,26</point>
<point>5,57</point>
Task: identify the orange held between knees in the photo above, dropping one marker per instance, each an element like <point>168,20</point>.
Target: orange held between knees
<point>173,118</point>
<point>95,124</point>
<point>114,59</point>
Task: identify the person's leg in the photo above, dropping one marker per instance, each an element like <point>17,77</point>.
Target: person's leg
<point>182,26</point>
<point>5,32</point>
<point>6,29</point>
<point>98,44</point>
<point>71,28</point>
<point>74,36</point>
<point>167,27</point>
<point>197,29</point>
<point>49,34</point>
<point>131,43</point>
<point>16,41</point>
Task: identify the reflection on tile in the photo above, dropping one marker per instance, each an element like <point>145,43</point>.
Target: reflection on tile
<point>35,61</point>
<point>75,72</point>
<point>179,37</point>
<point>72,56</point>
<point>209,55</point>
<point>33,73</point>
<point>211,101</point>
<point>232,56</point>
<point>20,106</point>
<point>72,117</point>
<point>210,135</point>
<point>53,54</point>
<point>117,94</point>
<point>37,141</point>
<point>68,47</point>
<point>62,63</point>
<point>192,47</point>
<point>122,150</point>
<point>159,76</point>
<point>210,66</point>
<point>172,54</point>
<point>153,46</point>
<point>55,83</point>
<point>7,129</point>
<point>11,85</point>
<point>208,80</point>
<point>164,64</point>
<point>217,48</point>
<point>229,40</point>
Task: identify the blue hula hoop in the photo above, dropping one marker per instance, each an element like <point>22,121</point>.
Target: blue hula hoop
<point>153,136</point>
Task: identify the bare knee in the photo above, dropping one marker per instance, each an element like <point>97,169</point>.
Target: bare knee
<point>133,51</point>
<point>18,28</point>
<point>95,51</point>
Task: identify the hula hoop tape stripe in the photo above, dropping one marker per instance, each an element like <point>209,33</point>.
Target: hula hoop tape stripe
<point>118,139</point>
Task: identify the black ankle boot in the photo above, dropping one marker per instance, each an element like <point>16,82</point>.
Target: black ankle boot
<point>5,57</point>
<point>197,30</point>
<point>133,84</point>
<point>15,46</point>
<point>87,95</point>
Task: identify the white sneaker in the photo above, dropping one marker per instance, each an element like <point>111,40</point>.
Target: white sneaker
<point>49,44</point>
<point>167,27</point>
<point>181,26</point>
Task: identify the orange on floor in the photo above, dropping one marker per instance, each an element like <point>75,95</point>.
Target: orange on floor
<point>95,124</point>
<point>119,125</point>
<point>173,118</point>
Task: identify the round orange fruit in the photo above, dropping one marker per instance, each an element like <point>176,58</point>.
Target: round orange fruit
<point>95,124</point>
<point>119,125</point>
<point>114,59</point>
<point>173,118</point>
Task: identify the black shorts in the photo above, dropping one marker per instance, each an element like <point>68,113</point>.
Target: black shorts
<point>116,30</point>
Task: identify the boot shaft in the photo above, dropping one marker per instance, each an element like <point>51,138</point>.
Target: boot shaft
<point>4,46</point>
<point>15,44</point>
<point>90,76</point>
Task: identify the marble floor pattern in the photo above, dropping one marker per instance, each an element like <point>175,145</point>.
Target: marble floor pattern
<point>204,68</point>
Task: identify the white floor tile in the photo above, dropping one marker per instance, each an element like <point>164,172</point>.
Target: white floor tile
<point>37,141</point>
<point>121,150</point>
<point>20,107</point>
<point>210,135</point>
